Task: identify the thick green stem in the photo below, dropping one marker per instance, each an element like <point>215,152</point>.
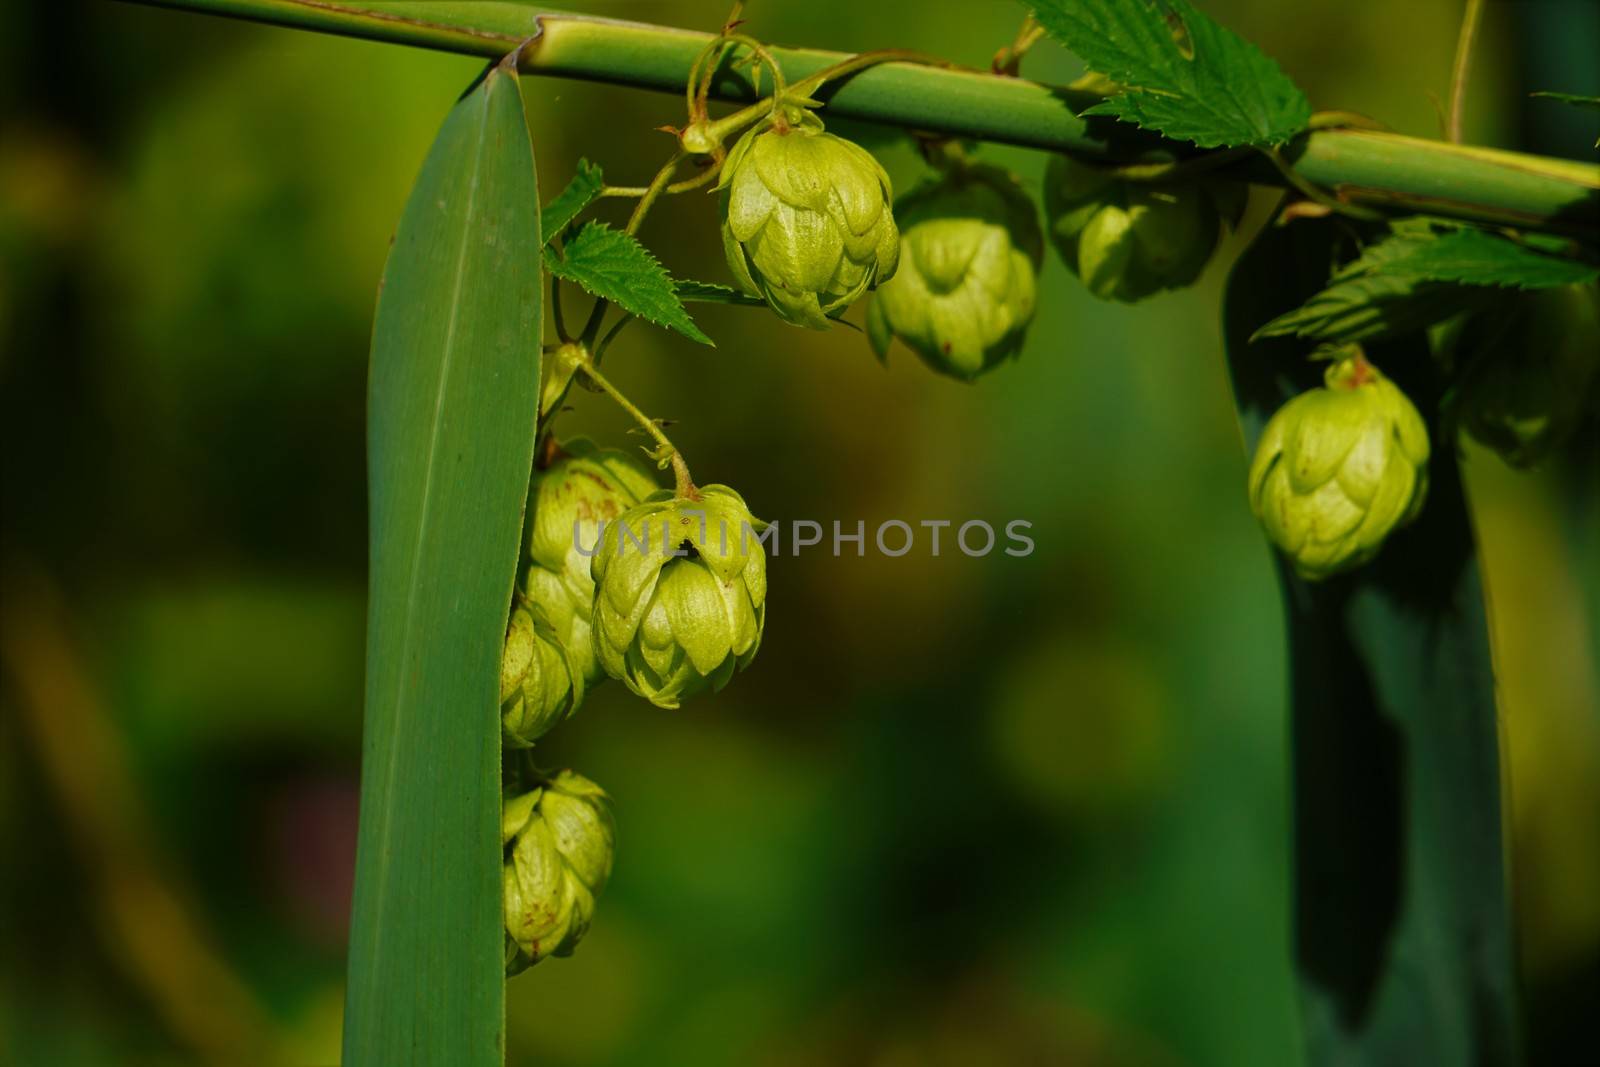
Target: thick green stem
<point>1358,166</point>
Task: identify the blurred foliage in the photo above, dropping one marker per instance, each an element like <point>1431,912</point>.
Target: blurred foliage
<point>960,811</point>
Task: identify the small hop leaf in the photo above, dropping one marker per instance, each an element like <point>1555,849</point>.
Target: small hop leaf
<point>1591,103</point>
<point>580,192</point>
<point>1178,72</point>
<point>1368,307</point>
<point>1477,257</point>
<point>614,265</point>
<point>1419,276</point>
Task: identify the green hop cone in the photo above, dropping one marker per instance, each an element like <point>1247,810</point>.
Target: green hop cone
<point>571,498</point>
<point>806,219</point>
<point>1127,240</point>
<point>540,685</point>
<point>1527,381</point>
<point>559,841</point>
<point>966,288</point>
<point>1338,468</point>
<point>681,591</point>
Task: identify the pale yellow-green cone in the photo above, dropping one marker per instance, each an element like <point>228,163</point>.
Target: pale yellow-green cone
<point>582,488</point>
<point>806,219</point>
<point>1338,468</point>
<point>570,499</point>
<point>567,614</point>
<point>680,594</point>
<point>1527,382</point>
<point>540,685</point>
<point>559,840</point>
<point>965,291</point>
<point>1127,240</point>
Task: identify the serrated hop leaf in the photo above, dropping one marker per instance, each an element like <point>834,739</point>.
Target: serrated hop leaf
<point>540,684</point>
<point>1127,240</point>
<point>570,500</point>
<point>806,220</point>
<point>1338,468</point>
<point>1527,381</point>
<point>966,289</point>
<point>681,593</point>
<point>559,841</point>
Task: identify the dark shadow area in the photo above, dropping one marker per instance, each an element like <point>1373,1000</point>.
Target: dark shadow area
<point>1349,800</point>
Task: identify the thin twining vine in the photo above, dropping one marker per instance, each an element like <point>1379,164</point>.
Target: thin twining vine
<point>703,137</point>
<point>665,590</point>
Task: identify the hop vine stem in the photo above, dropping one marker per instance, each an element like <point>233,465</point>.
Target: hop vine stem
<point>1009,59</point>
<point>685,186</point>
<point>1462,70</point>
<point>657,186</point>
<point>1367,167</point>
<point>680,466</point>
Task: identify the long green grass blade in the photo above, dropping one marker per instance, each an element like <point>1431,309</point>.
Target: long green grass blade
<point>451,405</point>
<point>1403,941</point>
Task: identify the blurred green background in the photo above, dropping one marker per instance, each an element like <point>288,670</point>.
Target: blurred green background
<point>960,811</point>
